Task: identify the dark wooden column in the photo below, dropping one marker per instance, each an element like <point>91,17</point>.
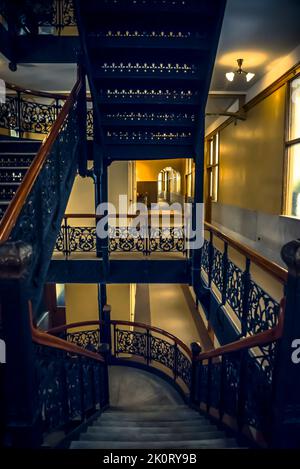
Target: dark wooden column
<point>20,391</point>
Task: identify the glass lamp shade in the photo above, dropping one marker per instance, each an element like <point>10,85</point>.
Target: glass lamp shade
<point>230,76</point>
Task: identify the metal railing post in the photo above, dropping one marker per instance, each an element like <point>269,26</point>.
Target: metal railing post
<point>194,391</point>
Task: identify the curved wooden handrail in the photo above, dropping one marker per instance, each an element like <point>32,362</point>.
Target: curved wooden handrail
<point>268,266</point>
<point>64,328</point>
<point>43,338</point>
<point>260,339</point>
<point>41,94</point>
<point>13,211</point>
<point>117,215</point>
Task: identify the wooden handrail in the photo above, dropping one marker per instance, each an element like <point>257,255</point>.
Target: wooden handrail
<point>13,211</point>
<point>42,94</point>
<point>260,339</point>
<point>268,266</point>
<point>117,215</point>
<point>57,330</point>
<point>47,340</point>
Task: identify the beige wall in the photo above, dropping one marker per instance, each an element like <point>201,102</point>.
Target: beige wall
<point>119,297</point>
<point>82,198</point>
<point>118,181</point>
<point>252,157</point>
<point>81,302</point>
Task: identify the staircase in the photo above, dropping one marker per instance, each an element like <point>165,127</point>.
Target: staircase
<point>174,427</point>
<point>146,412</point>
<point>149,65</point>
<point>16,156</point>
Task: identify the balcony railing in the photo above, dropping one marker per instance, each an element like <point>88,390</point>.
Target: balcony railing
<point>234,274</point>
<point>78,235</point>
<point>29,18</point>
<point>31,113</point>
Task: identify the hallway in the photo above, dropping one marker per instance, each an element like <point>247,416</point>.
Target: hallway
<point>171,307</point>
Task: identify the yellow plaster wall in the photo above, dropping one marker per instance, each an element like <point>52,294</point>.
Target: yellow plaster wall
<point>81,302</point>
<point>252,157</point>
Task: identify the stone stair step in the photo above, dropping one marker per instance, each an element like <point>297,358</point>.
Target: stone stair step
<point>148,408</point>
<point>189,444</point>
<point>184,428</point>
<point>151,416</point>
<point>128,423</point>
<point>137,435</point>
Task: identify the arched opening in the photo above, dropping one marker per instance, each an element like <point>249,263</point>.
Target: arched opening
<point>169,185</point>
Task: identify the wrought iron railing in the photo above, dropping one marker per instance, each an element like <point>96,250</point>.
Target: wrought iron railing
<point>145,239</point>
<point>31,113</point>
<point>34,214</point>
<point>254,310</point>
<point>134,342</point>
<point>237,382</point>
<point>28,16</point>
<point>72,383</point>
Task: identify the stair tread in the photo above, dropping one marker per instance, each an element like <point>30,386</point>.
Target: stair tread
<point>10,183</point>
<point>158,417</point>
<point>193,444</point>
<point>137,435</point>
<point>148,408</point>
<point>184,428</point>
<point>154,423</point>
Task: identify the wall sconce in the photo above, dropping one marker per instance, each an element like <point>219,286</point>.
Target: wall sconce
<point>248,75</point>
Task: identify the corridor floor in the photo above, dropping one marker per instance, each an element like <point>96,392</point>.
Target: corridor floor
<point>171,307</point>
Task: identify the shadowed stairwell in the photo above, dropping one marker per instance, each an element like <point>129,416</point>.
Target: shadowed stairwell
<point>146,412</point>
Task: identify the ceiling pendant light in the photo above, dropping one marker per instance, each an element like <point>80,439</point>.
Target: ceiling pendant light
<point>248,75</point>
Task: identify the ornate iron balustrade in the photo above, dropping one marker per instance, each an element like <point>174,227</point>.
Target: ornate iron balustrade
<point>254,308</point>
<point>35,213</point>
<point>70,387</point>
<point>238,380</point>
<point>142,342</point>
<point>139,343</point>
<point>29,16</point>
<point>29,112</point>
<point>146,240</point>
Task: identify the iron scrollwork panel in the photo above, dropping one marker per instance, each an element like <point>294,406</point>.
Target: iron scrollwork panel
<point>259,389</point>
<point>205,257</point>
<point>231,382</point>
<point>89,340</point>
<point>263,310</point>
<point>37,117</point>
<point>82,239</point>
<point>166,239</point>
<point>217,269</point>
<point>9,113</point>
<point>126,239</point>
<point>68,386</point>
<point>234,289</point>
<point>51,398</point>
<point>131,342</point>
<point>162,352</point>
<point>184,368</point>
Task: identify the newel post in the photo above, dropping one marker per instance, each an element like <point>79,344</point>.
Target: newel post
<point>20,388</point>
<point>194,391</point>
<point>286,417</point>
